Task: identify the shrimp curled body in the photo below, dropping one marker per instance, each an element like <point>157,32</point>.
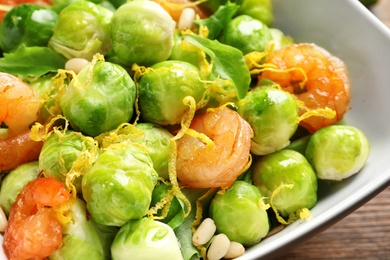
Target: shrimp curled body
<point>33,230</point>
<point>19,107</point>
<point>202,166</point>
<point>327,81</point>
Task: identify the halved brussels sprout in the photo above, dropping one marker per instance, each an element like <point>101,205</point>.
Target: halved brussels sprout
<point>272,114</point>
<point>338,151</point>
<point>14,182</point>
<point>119,185</point>
<point>99,98</point>
<point>83,29</point>
<point>288,179</point>
<point>142,33</point>
<point>145,239</point>
<point>81,239</point>
<point>240,213</point>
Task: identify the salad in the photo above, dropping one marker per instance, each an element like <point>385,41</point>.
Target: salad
<point>163,129</point>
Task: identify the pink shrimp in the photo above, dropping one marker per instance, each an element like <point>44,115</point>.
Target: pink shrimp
<point>19,106</point>
<point>327,84</point>
<point>202,166</point>
<point>33,230</point>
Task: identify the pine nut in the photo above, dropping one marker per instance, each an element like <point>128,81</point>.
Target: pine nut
<point>76,64</point>
<point>187,18</point>
<point>235,250</point>
<point>219,247</point>
<point>204,232</point>
<point>3,220</point>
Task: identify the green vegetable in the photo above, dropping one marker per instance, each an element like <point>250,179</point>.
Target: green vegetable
<point>338,151</point>
<point>119,185</point>
<point>279,39</point>
<point>59,153</point>
<point>288,179</point>
<point>31,62</point>
<point>240,213</point>
<point>156,139</point>
<point>145,239</point>
<point>259,9</point>
<point>26,24</point>
<point>176,211</point>
<point>272,114</point>
<point>229,71</point>
<point>14,182</point>
<point>219,20</point>
<point>81,239</point>
<point>83,29</point>
<point>246,34</point>
<point>162,90</point>
<point>99,98</point>
<point>142,33</point>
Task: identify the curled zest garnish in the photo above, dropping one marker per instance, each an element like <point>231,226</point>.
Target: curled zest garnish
<point>303,213</point>
<point>164,204</point>
<point>199,217</point>
<point>185,125</point>
<point>139,71</point>
<point>125,132</point>
<point>85,158</point>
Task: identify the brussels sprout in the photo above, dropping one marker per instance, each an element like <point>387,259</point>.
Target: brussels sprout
<point>338,151</point>
<point>156,139</point>
<point>179,53</point>
<point>240,214</point>
<point>279,39</point>
<point>145,239</point>
<point>59,152</point>
<point>119,185</point>
<point>163,88</point>
<point>288,179</point>
<point>81,240</point>
<point>99,98</point>
<point>142,33</point>
<point>246,34</point>
<point>82,30</point>
<point>27,24</point>
<point>14,182</point>
<point>259,9</point>
<point>272,114</point>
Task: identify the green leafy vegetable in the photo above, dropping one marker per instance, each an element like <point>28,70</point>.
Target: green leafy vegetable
<point>31,62</point>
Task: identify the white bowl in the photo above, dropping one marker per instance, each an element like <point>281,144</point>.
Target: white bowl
<point>348,30</point>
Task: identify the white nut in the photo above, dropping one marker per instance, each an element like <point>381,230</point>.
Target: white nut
<point>3,220</point>
<point>204,232</point>
<point>219,247</point>
<point>235,250</point>
<point>187,18</point>
<point>76,64</point>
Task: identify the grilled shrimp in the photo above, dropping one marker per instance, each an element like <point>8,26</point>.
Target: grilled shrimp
<point>315,77</point>
<point>219,161</point>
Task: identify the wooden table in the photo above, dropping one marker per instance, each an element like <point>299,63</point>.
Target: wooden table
<point>364,234</point>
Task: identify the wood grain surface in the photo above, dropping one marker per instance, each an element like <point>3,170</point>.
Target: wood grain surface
<point>364,234</point>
